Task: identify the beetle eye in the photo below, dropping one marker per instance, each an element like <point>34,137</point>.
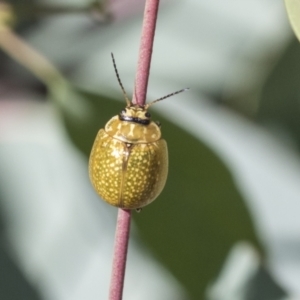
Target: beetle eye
<point>123,112</point>
<point>147,114</point>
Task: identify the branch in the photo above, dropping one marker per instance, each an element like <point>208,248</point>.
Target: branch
<point>145,53</point>
<point>141,83</point>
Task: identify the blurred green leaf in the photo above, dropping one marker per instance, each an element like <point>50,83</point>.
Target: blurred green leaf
<point>199,215</point>
<point>280,96</point>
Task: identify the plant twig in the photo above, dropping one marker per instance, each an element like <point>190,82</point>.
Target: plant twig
<point>141,83</point>
<point>27,56</point>
<point>120,254</point>
<point>145,53</point>
<point>35,62</point>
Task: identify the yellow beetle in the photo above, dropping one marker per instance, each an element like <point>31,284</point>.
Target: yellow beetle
<point>128,165</point>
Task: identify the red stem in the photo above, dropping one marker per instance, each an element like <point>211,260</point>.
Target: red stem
<point>145,53</point>
<point>120,254</point>
<point>141,83</point>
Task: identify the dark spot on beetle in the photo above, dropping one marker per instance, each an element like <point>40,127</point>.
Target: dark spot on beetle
<point>147,114</point>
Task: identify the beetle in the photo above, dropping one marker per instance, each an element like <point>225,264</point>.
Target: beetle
<point>128,164</point>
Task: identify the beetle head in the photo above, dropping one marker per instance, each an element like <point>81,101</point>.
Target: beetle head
<point>136,114</point>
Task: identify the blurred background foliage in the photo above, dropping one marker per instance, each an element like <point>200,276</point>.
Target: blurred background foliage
<point>233,140</point>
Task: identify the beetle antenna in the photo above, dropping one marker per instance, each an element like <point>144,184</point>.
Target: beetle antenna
<point>119,80</point>
<point>167,96</point>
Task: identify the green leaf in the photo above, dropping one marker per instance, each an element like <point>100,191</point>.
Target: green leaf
<point>279,101</point>
<point>198,217</point>
<point>200,214</point>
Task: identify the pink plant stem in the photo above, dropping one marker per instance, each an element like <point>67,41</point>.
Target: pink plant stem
<point>120,254</point>
<point>145,53</point>
<point>141,83</point>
